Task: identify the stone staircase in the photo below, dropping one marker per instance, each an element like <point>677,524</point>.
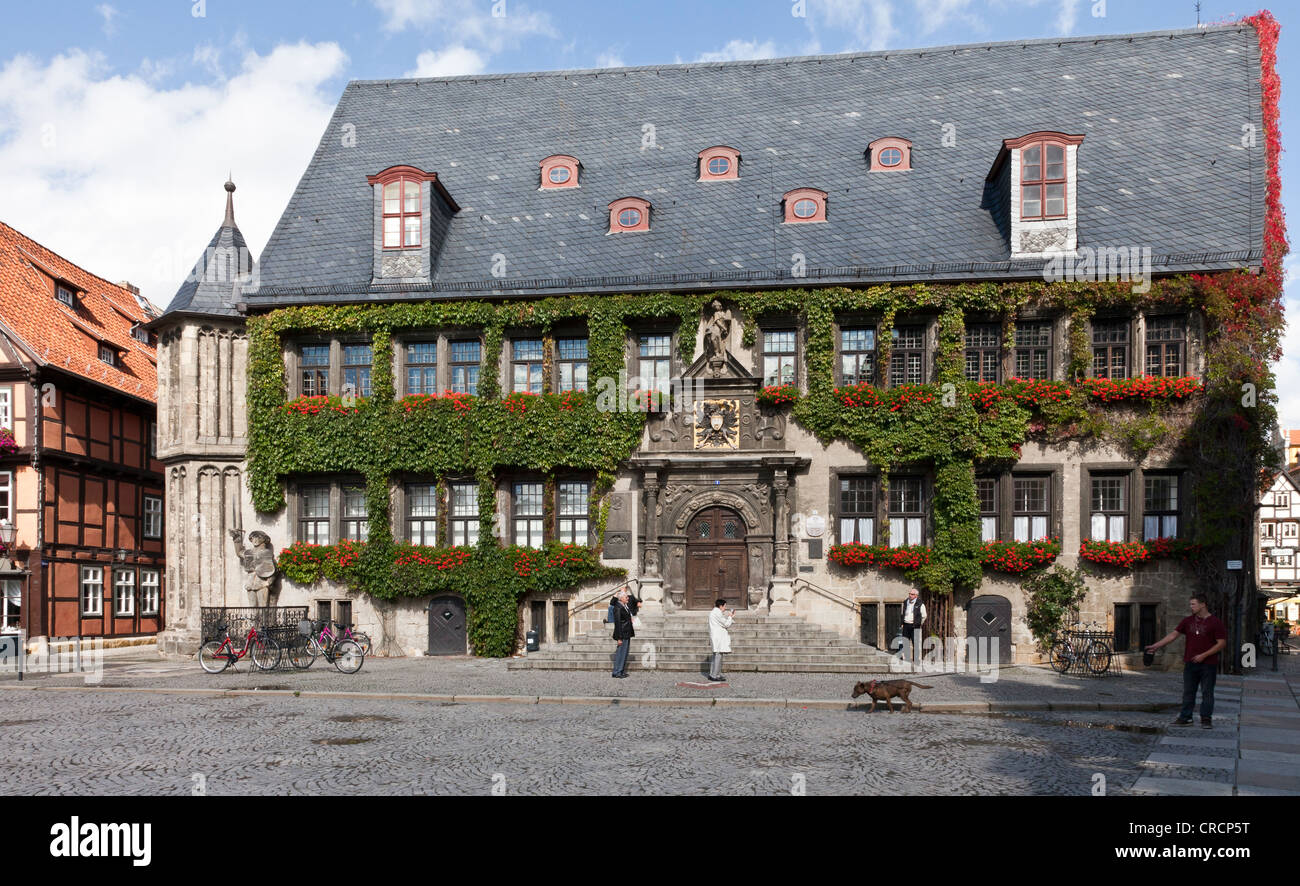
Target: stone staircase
<point>680,642</point>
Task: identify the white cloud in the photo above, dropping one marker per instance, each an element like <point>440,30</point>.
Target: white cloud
<point>868,23</point>
<point>108,14</point>
<point>450,62</point>
<point>610,59</point>
<point>1287,369</point>
<point>1067,17</point>
<point>470,22</point>
<point>125,179</point>
<point>739,50</point>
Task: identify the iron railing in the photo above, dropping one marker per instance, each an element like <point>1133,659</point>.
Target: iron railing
<point>843,601</point>
<point>239,619</point>
<point>605,596</point>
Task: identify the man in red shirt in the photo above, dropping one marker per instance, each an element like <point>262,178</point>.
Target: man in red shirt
<point>1206,638</point>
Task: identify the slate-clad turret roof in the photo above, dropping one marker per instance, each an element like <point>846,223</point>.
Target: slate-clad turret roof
<point>210,288</point>
<point>1162,165</point>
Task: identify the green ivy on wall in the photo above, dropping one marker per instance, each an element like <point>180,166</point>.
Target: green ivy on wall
<point>940,430</point>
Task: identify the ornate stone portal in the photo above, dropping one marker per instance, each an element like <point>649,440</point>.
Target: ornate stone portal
<point>716,450</point>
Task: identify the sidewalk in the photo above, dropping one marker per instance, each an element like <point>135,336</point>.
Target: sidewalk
<point>1253,750</point>
<point>1016,689</point>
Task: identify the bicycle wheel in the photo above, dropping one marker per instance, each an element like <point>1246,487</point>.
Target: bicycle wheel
<point>1061,657</point>
<point>266,653</point>
<point>1098,657</point>
<point>362,639</point>
<point>348,657</point>
<point>302,656</point>
<point>212,658</point>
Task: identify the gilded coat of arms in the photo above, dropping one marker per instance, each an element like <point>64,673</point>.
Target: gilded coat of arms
<point>717,424</point>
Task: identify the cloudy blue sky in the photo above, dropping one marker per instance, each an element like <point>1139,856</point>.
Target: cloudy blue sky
<point>118,126</point>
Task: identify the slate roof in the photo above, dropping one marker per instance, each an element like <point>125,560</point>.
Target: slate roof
<point>1161,165</point>
<point>66,338</point>
<point>210,288</point>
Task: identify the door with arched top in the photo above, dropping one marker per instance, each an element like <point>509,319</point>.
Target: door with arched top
<point>716,565</point>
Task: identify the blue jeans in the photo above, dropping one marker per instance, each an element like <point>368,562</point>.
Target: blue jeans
<point>1202,675</point>
<point>620,657</point>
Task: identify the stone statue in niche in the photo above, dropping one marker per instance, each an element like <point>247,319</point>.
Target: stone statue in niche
<point>258,560</point>
<point>717,330</point>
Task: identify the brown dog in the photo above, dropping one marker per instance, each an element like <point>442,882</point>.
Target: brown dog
<point>888,690</point>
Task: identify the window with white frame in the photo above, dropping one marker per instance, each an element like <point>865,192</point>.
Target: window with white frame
<point>1289,530</point>
<point>1109,509</point>
<point>574,502</point>
<point>986,492</point>
<point>654,361</point>
<point>857,510</point>
<point>422,514</point>
<point>153,516</point>
<point>65,295</point>
<point>7,408</point>
<point>92,590</point>
<point>6,495</point>
<point>1029,509</point>
<point>124,592</point>
<point>355,526</point>
<point>11,606</point>
<point>150,595</point>
<point>1266,530</point>
<point>314,515</point>
<point>463,524</point>
<point>1281,499</point>
<point>527,500</point>
<point>906,512</point>
<point>1160,516</point>
<point>778,356</point>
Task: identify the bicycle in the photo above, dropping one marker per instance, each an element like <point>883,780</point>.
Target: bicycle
<point>215,656</point>
<point>1065,651</point>
<point>345,655</point>
<point>361,638</point>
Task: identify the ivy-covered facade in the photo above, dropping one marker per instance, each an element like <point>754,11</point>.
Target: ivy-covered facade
<point>456,388</point>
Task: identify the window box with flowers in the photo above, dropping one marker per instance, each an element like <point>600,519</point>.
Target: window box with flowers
<point>8,445</point>
<point>856,555</point>
<point>1018,557</point>
<point>1126,555</point>
<point>777,396</point>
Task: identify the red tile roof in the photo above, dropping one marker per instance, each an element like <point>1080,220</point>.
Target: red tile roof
<point>69,338</point>
<point>1293,438</point>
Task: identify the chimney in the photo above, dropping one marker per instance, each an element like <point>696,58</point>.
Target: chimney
<point>130,287</point>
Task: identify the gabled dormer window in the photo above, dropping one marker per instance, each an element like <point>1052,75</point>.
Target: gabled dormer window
<point>629,214</point>
<point>65,295</point>
<point>804,205</point>
<point>719,163</point>
<point>890,154</point>
<point>107,354</point>
<point>559,171</point>
<point>401,204</point>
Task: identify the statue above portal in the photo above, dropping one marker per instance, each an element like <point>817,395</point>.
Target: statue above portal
<point>717,329</point>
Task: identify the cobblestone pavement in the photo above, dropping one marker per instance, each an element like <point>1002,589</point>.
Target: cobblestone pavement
<point>473,676</point>
<point>79,742</point>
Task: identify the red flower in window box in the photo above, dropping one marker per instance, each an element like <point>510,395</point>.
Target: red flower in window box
<point>856,554</point>
<point>8,445</point>
<point>777,396</point>
<point>1019,557</point>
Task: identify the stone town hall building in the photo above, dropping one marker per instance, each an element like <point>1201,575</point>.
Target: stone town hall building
<point>837,208</point>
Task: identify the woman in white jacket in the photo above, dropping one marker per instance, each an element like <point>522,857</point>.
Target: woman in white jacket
<point>720,619</point>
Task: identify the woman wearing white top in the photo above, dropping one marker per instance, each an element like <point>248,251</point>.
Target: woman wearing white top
<point>720,619</point>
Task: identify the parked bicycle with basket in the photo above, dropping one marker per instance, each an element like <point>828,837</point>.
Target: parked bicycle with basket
<point>318,639</point>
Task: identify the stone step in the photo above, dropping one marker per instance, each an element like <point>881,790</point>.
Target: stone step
<point>798,655</point>
<point>663,648</point>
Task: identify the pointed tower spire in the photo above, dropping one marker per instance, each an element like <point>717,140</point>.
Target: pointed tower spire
<point>230,205</point>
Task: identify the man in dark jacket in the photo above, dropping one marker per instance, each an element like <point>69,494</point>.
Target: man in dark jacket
<point>624,610</point>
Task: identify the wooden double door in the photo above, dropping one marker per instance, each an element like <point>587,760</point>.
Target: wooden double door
<point>716,561</point>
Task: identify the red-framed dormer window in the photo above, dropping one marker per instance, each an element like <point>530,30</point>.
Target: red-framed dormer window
<point>628,214</point>
<point>719,163</point>
<point>559,171</point>
<point>804,205</point>
<point>890,154</point>
<point>401,199</point>
<point>1044,173</point>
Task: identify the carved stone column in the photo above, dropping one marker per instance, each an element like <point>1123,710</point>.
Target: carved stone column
<point>782,567</point>
<point>652,583</point>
